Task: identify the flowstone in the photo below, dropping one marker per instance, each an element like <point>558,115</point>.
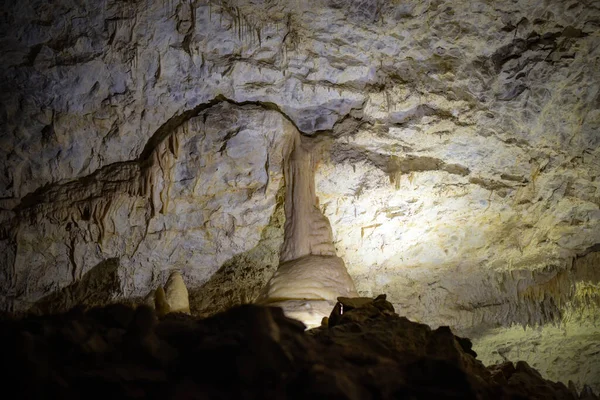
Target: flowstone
<point>310,277</point>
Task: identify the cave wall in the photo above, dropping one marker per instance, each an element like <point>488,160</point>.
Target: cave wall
<point>202,197</point>
<point>457,145</point>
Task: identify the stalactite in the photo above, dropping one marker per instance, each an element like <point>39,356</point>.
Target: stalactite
<point>537,297</point>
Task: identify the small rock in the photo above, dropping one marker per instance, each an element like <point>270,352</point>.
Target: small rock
<point>177,294</point>
<point>160,302</point>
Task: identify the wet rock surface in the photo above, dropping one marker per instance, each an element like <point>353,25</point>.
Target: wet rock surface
<point>366,352</point>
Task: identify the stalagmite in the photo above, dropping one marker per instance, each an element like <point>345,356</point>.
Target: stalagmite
<point>459,162</point>
<point>172,298</point>
<point>177,294</point>
<point>310,276</point>
<point>150,299</point>
<point>160,302</point>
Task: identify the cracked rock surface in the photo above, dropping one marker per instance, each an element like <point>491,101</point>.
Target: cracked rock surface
<point>458,146</point>
<point>202,196</point>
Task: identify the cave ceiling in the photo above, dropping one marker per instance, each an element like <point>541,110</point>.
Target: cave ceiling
<point>457,147</point>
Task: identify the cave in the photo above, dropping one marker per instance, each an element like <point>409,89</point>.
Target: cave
<point>168,168</point>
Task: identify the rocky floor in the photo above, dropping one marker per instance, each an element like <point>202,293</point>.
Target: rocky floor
<point>365,351</point>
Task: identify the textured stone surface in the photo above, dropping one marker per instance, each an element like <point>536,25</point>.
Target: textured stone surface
<point>307,231</point>
<point>567,349</point>
<point>203,196</point>
<point>459,148</point>
<point>310,277</point>
<point>567,352</point>
<point>254,353</point>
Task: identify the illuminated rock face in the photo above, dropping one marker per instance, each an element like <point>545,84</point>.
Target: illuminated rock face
<point>307,231</point>
<point>177,294</point>
<point>203,195</point>
<point>172,298</point>
<point>310,277</point>
<point>458,142</point>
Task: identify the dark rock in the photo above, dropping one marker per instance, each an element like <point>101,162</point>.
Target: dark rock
<point>252,352</point>
<point>466,345</point>
<point>95,287</point>
<point>502,372</point>
<point>114,315</point>
<point>587,394</point>
<point>143,321</point>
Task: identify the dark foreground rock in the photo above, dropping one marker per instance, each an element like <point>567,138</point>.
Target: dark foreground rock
<point>250,352</point>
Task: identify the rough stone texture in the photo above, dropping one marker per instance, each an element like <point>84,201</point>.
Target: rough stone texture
<point>460,156</point>
<point>567,349</point>
<point>307,231</point>
<point>100,285</point>
<point>242,279</point>
<point>307,288</point>
<point>565,352</point>
<point>203,196</point>
<point>254,353</point>
<point>161,306</point>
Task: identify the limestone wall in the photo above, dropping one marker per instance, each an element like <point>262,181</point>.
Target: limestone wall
<point>458,145</point>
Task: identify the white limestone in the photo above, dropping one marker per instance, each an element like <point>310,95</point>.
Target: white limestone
<point>310,277</point>
<point>176,293</point>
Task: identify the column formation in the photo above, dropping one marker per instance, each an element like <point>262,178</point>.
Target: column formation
<point>310,276</point>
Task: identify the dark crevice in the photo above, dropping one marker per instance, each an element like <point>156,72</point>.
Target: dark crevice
<point>171,124</point>
<point>390,164</point>
<point>228,136</point>
<point>410,164</point>
<point>514,178</point>
<point>592,249</point>
<point>40,195</point>
<point>33,53</point>
<point>177,120</point>
<point>187,40</point>
<point>489,184</point>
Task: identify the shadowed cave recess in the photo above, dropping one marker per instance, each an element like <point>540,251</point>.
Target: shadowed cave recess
<point>185,180</point>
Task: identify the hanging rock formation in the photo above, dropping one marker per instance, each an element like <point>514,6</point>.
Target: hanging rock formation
<point>310,277</point>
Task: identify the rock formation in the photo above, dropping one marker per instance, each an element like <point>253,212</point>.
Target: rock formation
<point>310,277</point>
<point>176,293</point>
<point>457,142</point>
<point>161,305</point>
<point>172,298</point>
<point>252,352</point>
<point>201,195</point>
